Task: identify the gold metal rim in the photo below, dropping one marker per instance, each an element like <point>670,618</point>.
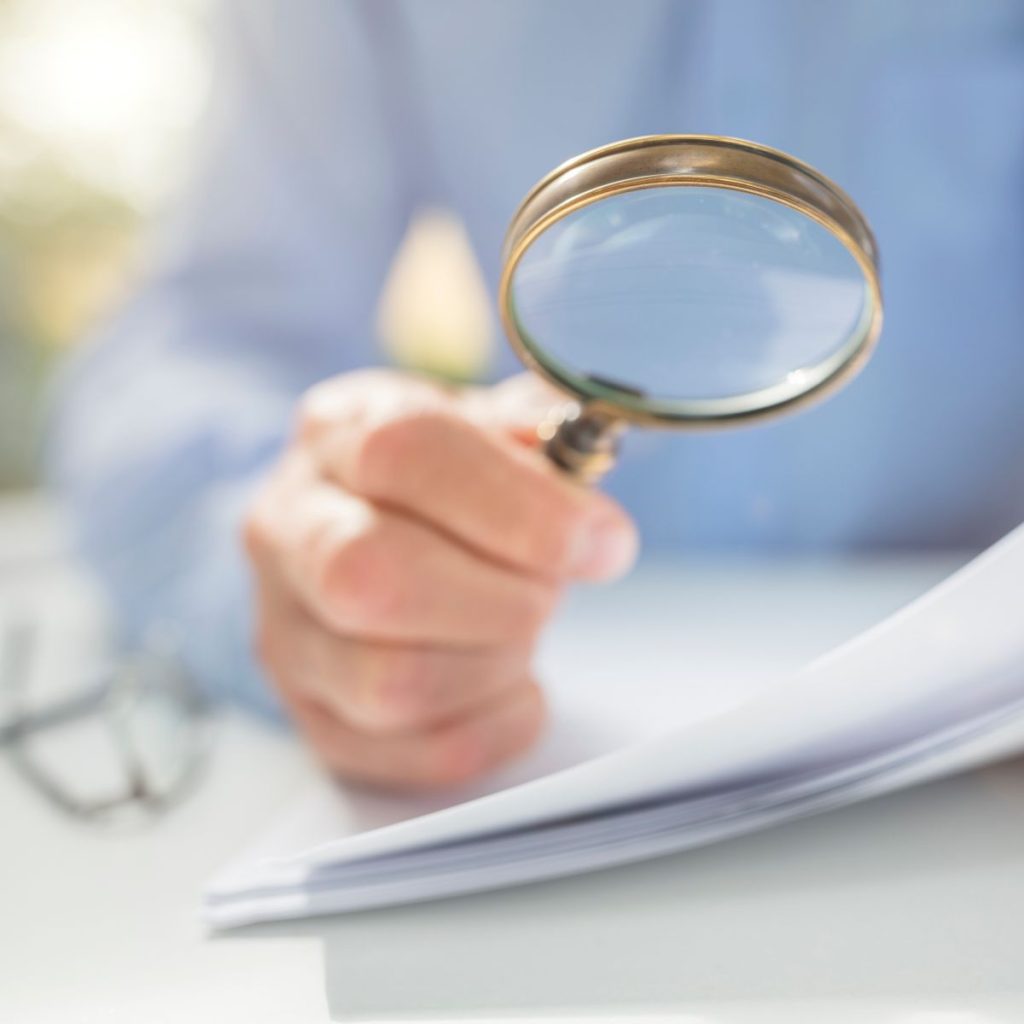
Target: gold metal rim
<point>691,161</point>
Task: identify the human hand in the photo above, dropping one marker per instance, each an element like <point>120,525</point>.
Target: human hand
<point>408,547</point>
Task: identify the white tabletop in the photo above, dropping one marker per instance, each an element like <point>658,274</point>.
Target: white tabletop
<point>907,909</point>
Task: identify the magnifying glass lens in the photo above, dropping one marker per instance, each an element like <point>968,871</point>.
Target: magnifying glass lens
<point>688,294</point>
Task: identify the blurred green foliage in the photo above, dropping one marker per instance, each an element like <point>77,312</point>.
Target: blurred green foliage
<point>64,247</point>
<point>95,101</point>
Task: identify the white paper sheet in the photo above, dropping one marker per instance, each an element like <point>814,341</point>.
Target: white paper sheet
<point>933,688</point>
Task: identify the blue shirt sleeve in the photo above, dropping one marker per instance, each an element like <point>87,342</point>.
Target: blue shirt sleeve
<point>260,281</point>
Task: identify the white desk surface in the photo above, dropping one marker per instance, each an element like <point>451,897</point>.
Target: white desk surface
<point>908,909</point>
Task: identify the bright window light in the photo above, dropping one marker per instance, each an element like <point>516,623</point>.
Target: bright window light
<point>108,86</point>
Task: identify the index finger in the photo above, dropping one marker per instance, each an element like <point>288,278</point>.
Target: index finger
<point>418,452</point>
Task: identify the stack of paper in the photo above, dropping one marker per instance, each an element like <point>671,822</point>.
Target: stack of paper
<point>936,688</point>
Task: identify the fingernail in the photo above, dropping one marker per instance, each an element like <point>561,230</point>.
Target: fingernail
<point>604,549</point>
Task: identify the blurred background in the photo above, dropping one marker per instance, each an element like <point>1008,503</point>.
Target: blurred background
<point>98,104</point>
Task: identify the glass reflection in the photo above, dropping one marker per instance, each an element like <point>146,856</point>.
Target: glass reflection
<point>688,292</point>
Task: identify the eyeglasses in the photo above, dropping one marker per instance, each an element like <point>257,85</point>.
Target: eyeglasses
<point>123,748</point>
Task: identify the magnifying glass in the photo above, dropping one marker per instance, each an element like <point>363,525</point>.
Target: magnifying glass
<point>685,281</point>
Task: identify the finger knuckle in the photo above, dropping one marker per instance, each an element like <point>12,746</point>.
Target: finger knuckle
<point>265,644</point>
<point>457,757</point>
<point>549,543</point>
<point>392,448</point>
<point>332,401</point>
<point>395,691</point>
<point>256,532</point>
<point>361,581</point>
<point>311,412</point>
<point>531,611</point>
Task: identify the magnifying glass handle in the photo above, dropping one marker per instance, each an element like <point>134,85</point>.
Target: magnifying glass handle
<point>581,441</point>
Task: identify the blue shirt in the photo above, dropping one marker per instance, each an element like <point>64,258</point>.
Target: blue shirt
<point>333,121</point>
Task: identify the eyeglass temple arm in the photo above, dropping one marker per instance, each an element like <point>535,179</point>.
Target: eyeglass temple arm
<point>69,710</point>
<point>15,659</point>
